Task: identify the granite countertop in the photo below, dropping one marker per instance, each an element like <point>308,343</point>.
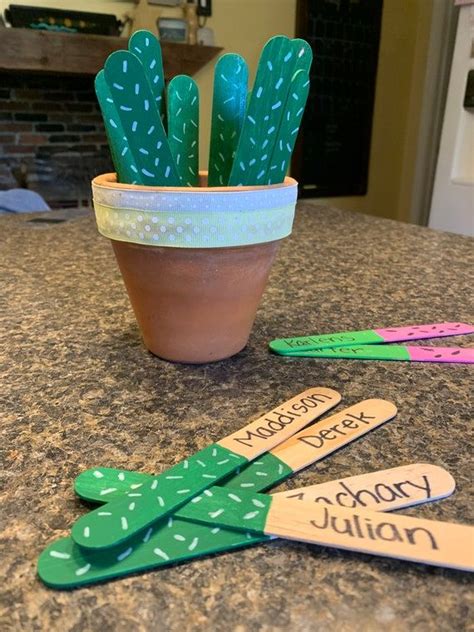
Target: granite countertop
<point>80,390</point>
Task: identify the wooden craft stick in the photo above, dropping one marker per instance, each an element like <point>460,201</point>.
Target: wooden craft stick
<point>403,353</point>
<point>64,565</point>
<point>228,111</point>
<point>278,62</point>
<point>289,128</point>
<point>183,128</point>
<point>125,166</point>
<point>174,487</point>
<point>369,336</point>
<point>334,432</point>
<point>361,530</point>
<point>384,490</point>
<point>147,48</point>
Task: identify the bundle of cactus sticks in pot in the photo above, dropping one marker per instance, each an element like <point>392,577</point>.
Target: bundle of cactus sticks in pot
<point>153,130</point>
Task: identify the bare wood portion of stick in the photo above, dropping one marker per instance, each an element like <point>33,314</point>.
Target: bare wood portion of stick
<point>332,433</point>
<point>401,537</point>
<point>282,422</point>
<point>384,490</point>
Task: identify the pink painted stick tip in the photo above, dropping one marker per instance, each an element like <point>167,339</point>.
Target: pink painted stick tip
<point>419,332</point>
<point>461,355</point>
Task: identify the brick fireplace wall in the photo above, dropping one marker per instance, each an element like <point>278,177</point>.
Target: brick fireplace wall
<point>52,139</point>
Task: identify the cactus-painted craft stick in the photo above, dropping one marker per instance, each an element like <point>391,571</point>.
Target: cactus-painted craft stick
<point>289,128</point>
<point>183,128</point>
<point>147,48</point>
<point>174,487</point>
<point>140,120</point>
<point>401,537</point>
<point>262,121</point>
<point>302,449</point>
<point>64,564</point>
<point>127,170</point>
<point>228,111</point>
<point>459,355</point>
<point>385,490</point>
<point>370,336</point>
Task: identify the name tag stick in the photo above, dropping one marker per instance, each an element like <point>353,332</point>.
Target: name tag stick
<point>369,337</point>
<point>173,488</point>
<point>384,490</point>
<point>361,530</point>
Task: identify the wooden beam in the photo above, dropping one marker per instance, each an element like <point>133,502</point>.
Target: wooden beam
<point>26,50</point>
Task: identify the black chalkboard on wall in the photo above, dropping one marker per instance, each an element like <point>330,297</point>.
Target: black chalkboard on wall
<point>332,155</point>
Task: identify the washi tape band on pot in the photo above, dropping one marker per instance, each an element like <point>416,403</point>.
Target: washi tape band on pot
<point>194,217</point>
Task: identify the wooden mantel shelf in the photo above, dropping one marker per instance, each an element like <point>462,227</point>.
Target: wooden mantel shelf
<point>26,50</point>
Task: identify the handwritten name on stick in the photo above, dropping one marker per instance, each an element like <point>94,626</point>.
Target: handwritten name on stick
<point>403,537</point>
<point>280,423</point>
<point>384,490</point>
<point>334,432</point>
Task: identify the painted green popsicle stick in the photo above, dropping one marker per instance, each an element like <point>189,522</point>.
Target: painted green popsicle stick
<point>287,346</point>
<point>63,565</point>
<point>281,58</point>
<point>457,355</point>
<point>370,336</point>
<point>264,112</point>
<point>361,352</point>
<point>183,128</point>
<point>103,484</point>
<point>289,128</point>
<point>401,537</point>
<point>140,120</point>
<point>156,499</point>
<point>292,113</point>
<point>174,487</point>
<point>127,170</point>
<point>147,48</point>
<point>228,111</point>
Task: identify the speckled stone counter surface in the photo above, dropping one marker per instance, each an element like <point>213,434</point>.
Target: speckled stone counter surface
<point>78,389</point>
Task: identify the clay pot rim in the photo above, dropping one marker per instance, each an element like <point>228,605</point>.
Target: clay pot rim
<point>109,181</point>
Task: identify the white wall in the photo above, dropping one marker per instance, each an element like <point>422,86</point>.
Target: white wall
<point>452,206</point>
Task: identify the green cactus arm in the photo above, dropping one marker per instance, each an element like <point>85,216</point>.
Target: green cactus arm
<point>304,56</point>
<point>147,48</point>
<point>162,496</point>
<point>236,509</point>
<point>289,128</point>
<point>140,120</point>
<point>65,565</point>
<point>228,111</point>
<point>103,484</point>
<point>183,128</point>
<point>262,118</point>
<point>127,170</point>
<point>278,63</point>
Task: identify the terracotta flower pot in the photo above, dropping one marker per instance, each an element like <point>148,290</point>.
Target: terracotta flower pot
<point>195,261</point>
